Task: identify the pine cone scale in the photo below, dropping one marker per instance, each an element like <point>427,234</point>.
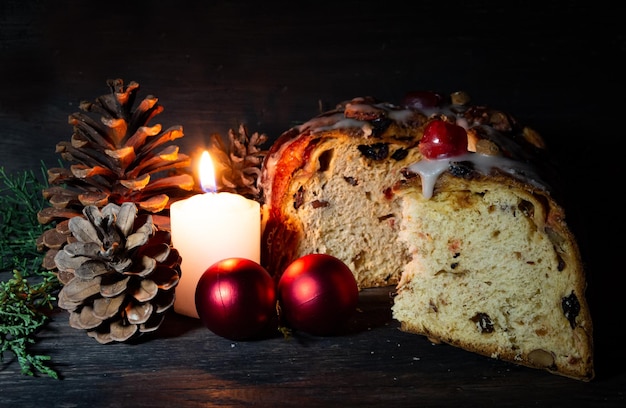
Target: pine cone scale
<point>147,291</point>
<point>91,269</point>
<point>106,308</point>
<point>137,184</point>
<point>139,138</point>
<point>81,171</point>
<point>114,288</point>
<point>53,239</point>
<point>155,203</point>
<point>79,289</point>
<point>138,313</point>
<point>90,130</point>
<point>98,199</point>
<point>84,230</point>
<point>122,157</point>
<point>120,332</point>
<point>87,318</point>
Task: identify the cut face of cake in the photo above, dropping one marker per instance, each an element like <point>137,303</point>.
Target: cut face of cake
<point>451,205</point>
<point>493,274</point>
<point>340,203</point>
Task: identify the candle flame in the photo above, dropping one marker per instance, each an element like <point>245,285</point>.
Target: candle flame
<point>207,173</point>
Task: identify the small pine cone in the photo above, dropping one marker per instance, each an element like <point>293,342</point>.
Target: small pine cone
<point>120,272</point>
<point>239,163</point>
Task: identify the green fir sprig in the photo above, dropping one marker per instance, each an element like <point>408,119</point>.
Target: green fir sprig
<point>27,290</point>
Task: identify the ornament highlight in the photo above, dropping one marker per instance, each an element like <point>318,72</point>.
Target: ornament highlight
<point>317,294</point>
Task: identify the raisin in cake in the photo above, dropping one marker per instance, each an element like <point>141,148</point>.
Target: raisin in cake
<point>472,238</point>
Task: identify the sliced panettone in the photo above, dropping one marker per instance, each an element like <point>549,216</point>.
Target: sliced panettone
<point>450,204</point>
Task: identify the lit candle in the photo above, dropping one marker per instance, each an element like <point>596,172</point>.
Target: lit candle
<point>209,227</point>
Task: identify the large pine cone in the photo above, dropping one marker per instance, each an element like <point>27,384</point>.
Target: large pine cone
<point>115,156</point>
<point>119,273</point>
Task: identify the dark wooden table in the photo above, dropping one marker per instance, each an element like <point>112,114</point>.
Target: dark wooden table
<point>219,64</point>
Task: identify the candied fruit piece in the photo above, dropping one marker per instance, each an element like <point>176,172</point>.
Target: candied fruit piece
<point>571,308</point>
<point>483,321</point>
<point>442,139</point>
<point>376,151</point>
<point>298,198</point>
<point>319,204</point>
<point>461,169</point>
<point>399,154</point>
<point>421,99</point>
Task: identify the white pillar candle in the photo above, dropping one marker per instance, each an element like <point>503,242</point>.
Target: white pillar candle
<point>207,228</point>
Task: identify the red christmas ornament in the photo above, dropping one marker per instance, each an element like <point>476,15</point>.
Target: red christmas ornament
<point>317,294</point>
<point>236,298</point>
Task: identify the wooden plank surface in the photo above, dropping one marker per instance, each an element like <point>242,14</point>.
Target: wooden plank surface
<point>215,65</point>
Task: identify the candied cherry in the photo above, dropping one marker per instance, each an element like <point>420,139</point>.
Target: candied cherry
<point>442,139</point>
<point>421,99</point>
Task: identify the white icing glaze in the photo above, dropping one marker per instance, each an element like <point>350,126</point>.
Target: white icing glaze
<point>400,115</point>
<point>430,170</point>
<point>347,123</point>
<point>462,122</point>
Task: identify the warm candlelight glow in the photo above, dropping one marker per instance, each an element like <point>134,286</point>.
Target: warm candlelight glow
<point>209,227</point>
<point>207,173</point>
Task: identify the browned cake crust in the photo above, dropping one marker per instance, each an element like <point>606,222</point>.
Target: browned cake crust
<point>476,245</point>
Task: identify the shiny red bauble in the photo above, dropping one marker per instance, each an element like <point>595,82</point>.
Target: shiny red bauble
<point>236,298</point>
<point>317,294</point>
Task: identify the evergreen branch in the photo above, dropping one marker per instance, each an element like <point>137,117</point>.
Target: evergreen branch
<point>29,292</point>
<point>21,317</point>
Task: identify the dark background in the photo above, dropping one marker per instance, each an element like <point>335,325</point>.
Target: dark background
<point>556,66</point>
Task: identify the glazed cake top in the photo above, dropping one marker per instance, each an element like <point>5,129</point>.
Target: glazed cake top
<point>495,140</point>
